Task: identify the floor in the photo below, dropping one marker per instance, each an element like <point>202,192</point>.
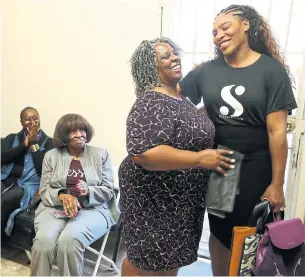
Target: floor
<point>14,262</point>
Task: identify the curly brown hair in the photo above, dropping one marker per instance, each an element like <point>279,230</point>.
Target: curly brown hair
<point>69,123</point>
<point>260,36</point>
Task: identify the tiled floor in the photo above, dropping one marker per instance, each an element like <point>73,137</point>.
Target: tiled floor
<point>14,262</point>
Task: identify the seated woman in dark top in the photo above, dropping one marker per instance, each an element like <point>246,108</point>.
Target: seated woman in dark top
<point>21,161</point>
<point>163,180</point>
<point>78,202</point>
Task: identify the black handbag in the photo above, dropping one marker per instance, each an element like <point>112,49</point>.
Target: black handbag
<point>23,232</point>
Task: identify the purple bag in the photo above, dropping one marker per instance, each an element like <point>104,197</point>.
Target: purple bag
<point>281,250</point>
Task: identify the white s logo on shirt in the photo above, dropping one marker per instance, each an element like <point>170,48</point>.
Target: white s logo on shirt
<point>231,100</point>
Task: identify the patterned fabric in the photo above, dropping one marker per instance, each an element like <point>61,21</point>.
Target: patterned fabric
<point>163,211</point>
<point>247,265</point>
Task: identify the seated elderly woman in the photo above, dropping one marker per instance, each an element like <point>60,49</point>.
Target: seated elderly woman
<point>78,200</point>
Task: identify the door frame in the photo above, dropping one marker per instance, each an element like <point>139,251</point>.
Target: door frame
<point>294,201</point>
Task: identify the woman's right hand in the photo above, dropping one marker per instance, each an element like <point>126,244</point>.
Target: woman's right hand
<point>26,141</point>
<point>70,204</point>
<point>32,135</point>
<point>216,160</point>
<point>33,132</point>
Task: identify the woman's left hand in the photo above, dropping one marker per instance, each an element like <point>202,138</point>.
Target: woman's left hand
<point>82,187</point>
<point>275,194</point>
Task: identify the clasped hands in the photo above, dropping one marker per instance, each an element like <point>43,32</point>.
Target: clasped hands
<point>70,203</point>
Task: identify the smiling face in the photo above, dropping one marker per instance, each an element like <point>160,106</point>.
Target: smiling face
<point>169,64</point>
<point>230,33</point>
<point>77,139</point>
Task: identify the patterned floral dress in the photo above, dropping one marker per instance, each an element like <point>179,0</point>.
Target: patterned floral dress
<point>163,211</point>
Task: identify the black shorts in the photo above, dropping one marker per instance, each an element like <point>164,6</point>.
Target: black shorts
<point>256,176</point>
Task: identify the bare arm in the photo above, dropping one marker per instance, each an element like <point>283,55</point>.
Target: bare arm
<point>164,158</point>
<point>276,125</point>
<point>280,100</point>
<point>151,149</point>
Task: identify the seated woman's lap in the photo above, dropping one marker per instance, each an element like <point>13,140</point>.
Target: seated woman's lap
<point>88,226</point>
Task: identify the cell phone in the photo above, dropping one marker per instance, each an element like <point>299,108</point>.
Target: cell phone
<point>60,214</point>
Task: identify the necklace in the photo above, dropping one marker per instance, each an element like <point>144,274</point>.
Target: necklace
<point>169,89</point>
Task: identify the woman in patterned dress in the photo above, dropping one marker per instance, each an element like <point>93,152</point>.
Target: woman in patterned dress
<point>163,179</point>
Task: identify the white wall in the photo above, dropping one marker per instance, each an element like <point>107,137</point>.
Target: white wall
<point>71,56</point>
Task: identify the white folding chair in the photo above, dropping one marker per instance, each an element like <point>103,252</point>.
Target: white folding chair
<point>100,256</point>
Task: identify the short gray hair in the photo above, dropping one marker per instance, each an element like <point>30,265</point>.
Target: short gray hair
<point>144,64</point>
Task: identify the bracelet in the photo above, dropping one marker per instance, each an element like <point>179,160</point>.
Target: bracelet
<point>34,147</point>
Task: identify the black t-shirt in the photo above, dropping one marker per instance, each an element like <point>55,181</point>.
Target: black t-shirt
<point>240,97</point>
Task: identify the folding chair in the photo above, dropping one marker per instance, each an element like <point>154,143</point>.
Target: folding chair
<point>100,256</point>
<point>117,228</point>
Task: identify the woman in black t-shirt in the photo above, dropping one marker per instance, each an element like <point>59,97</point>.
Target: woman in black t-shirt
<point>247,94</point>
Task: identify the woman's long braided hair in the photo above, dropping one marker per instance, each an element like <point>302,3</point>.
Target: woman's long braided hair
<point>259,35</point>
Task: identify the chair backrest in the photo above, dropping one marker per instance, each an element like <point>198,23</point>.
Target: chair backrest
<point>115,172</point>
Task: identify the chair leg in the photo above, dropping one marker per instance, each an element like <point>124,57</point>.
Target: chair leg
<point>28,253</point>
<point>117,243</point>
<point>100,254</point>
